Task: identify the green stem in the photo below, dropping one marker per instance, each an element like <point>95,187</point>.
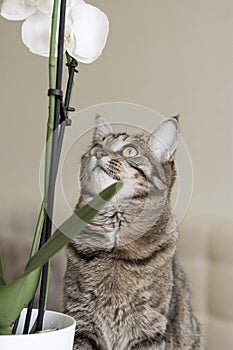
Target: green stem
<point>52,85</point>
<point>37,231</point>
<point>50,124</point>
<point>68,57</point>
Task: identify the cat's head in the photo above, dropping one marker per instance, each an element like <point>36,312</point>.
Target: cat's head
<point>144,163</point>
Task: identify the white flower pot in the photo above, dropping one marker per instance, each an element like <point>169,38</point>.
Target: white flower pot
<point>61,339</point>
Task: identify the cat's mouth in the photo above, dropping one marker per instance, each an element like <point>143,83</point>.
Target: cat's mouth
<point>107,171</point>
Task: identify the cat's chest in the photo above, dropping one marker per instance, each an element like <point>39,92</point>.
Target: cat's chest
<point>122,302</point>
<point>111,280</point>
<point>120,294</point>
<point>115,284</point>
<point>118,300</point>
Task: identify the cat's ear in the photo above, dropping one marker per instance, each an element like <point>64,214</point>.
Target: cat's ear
<point>164,140</point>
<point>102,128</point>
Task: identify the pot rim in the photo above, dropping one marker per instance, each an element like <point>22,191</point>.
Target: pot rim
<point>71,324</point>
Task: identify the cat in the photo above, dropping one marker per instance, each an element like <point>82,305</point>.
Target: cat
<point>123,283</point>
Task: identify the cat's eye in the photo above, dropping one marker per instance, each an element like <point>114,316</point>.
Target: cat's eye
<point>97,145</point>
<point>129,151</point>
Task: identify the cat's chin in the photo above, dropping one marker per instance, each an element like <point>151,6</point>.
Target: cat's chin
<point>99,180</point>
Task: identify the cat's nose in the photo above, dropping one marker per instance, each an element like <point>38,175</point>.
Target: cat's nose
<point>100,153</point>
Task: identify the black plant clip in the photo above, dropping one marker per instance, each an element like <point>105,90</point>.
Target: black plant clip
<point>65,108</point>
<point>55,92</point>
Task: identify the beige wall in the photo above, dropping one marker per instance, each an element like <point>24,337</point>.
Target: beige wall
<point>171,55</point>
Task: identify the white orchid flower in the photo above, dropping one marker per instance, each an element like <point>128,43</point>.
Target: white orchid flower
<point>86,28</point>
<point>36,33</point>
<point>86,32</point>
<point>17,10</point>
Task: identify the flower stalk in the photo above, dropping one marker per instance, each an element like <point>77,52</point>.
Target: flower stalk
<point>40,232</point>
<point>52,85</point>
<point>51,163</point>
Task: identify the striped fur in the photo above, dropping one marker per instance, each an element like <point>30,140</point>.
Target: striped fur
<point>123,284</point>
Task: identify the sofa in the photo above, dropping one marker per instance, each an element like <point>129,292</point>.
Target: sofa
<point>206,250</point>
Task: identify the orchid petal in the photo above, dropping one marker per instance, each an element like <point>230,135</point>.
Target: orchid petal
<point>89,31</point>
<point>17,10</point>
<point>46,6</point>
<point>35,33</point>
<point>72,3</point>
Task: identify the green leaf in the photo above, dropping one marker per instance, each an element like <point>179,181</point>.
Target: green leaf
<point>14,296</point>
<point>2,278</point>
<point>72,227</point>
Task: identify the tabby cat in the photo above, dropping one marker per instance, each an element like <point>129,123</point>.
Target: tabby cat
<point>123,284</point>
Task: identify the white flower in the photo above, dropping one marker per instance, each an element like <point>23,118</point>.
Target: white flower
<point>86,28</point>
<point>86,32</point>
<point>36,33</point>
<point>21,9</point>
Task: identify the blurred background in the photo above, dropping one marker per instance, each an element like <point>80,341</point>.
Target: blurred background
<point>174,57</point>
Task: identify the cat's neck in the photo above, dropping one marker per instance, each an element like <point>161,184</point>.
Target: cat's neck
<point>133,232</point>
